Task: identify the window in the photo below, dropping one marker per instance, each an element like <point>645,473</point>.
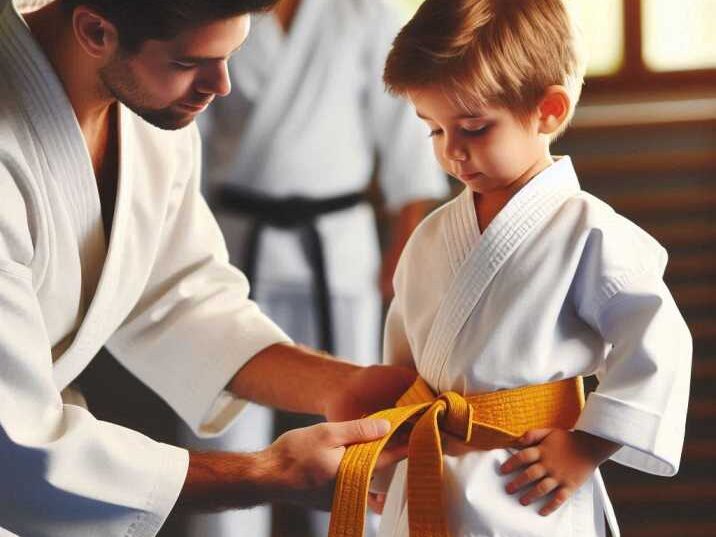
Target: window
<point>642,44</point>
<point>679,35</point>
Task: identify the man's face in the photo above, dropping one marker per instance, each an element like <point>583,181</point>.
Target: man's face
<point>168,83</point>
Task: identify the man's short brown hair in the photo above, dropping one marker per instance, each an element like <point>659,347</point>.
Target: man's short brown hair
<point>139,20</point>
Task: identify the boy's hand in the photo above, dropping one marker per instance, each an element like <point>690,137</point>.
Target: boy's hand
<point>555,462</point>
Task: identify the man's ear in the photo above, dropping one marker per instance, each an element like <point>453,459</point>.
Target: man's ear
<point>95,34</point>
<point>553,109</point>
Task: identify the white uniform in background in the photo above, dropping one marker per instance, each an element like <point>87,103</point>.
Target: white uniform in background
<point>558,285</point>
<point>307,116</point>
<point>161,295</point>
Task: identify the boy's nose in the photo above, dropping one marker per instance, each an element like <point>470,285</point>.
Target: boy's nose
<point>453,150</point>
<point>455,153</point>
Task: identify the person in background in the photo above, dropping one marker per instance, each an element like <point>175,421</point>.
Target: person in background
<point>289,155</point>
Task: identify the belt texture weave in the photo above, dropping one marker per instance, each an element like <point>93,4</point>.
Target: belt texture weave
<point>483,421</point>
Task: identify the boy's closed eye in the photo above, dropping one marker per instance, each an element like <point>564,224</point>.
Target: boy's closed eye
<point>476,132</point>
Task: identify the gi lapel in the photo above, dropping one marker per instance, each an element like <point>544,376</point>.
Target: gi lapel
<point>523,214</point>
<point>60,160</point>
<point>463,231</point>
<point>60,152</point>
<point>87,343</point>
<point>294,51</point>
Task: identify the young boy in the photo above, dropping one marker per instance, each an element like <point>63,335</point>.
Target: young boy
<point>524,279</point>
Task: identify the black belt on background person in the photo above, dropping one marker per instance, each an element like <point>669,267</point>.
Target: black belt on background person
<point>295,213</point>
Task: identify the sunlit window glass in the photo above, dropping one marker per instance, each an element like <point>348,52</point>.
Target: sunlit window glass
<point>679,35</point>
<point>602,25</point>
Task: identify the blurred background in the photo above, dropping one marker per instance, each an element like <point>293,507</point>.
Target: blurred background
<point>644,140</point>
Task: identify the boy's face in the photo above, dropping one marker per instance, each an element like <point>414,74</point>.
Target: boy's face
<point>490,152</point>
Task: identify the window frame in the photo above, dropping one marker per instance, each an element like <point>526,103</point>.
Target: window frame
<point>633,75</point>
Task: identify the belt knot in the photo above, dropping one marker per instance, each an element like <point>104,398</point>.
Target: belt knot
<point>501,418</point>
<point>456,414</point>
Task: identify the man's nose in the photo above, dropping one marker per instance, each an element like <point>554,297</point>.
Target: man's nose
<point>216,81</point>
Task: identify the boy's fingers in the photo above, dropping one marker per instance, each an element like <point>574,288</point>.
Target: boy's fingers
<point>533,436</point>
<point>533,473</point>
<point>521,458</point>
<point>561,496</point>
<point>539,490</point>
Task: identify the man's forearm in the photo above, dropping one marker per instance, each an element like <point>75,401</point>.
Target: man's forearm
<point>292,378</point>
<point>299,467</point>
<point>218,480</point>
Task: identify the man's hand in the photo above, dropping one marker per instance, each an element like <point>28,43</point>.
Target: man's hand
<point>301,465</point>
<point>366,390</point>
<point>554,462</point>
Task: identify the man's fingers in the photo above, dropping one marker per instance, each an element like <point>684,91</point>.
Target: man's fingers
<point>357,431</point>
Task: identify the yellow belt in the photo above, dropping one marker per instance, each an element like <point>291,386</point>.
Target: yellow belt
<point>484,421</point>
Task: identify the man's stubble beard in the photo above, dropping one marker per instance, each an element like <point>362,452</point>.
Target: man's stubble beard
<point>121,84</point>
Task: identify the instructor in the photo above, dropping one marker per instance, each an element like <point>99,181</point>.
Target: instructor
<point>106,240</point>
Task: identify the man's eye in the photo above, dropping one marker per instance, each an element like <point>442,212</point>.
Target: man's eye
<point>183,66</point>
<point>435,132</point>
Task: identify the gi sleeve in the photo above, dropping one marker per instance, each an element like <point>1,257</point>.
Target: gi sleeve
<point>643,390</point>
<point>396,348</point>
<point>63,473</point>
<point>408,170</point>
<point>194,326</point>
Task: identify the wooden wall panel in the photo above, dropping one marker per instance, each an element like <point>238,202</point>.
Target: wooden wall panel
<point>663,177</point>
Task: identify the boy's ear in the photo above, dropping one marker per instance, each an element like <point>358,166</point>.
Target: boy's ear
<point>95,34</point>
<point>553,109</point>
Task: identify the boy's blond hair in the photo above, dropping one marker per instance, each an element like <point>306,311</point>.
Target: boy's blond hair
<point>488,52</point>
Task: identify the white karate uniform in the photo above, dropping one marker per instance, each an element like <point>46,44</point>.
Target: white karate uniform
<point>558,285</point>
<point>161,295</point>
<point>307,116</point>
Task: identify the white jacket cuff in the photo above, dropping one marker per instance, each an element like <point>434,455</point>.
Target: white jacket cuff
<point>636,429</point>
<point>212,408</point>
<point>172,464</point>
